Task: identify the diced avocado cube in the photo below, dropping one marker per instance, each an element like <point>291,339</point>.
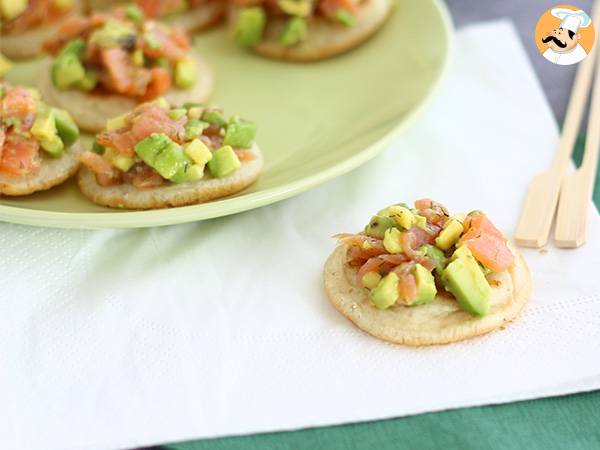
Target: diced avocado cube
<point>240,134</point>
<point>134,13</point>
<point>151,41</point>
<point>461,252</point>
<point>195,112</point>
<point>63,5</point>
<point>149,148</point>
<point>186,73</point>
<point>11,9</point>
<point>294,32</point>
<point>66,127</point>
<point>345,17</point>
<point>188,173</point>
<point>370,280</point>
<point>224,162</point>
<point>386,292</point>
<point>421,222</point>
<point>426,290</point>
<point>436,255</point>
<point>54,146</point>
<point>117,122</point>
<point>392,240</point>
<point>194,128</point>
<point>67,71</point>
<point>465,280</point>
<point>170,161</point>
<point>44,127</point>
<point>300,8</point>
<point>89,82</point>
<point>137,57</point>
<point>75,47</point>
<point>113,34</point>
<point>122,162</point>
<point>162,102</point>
<point>198,152</point>
<point>250,25</point>
<point>97,148</point>
<point>178,113</point>
<point>378,225</point>
<point>214,118</point>
<point>450,234</point>
<point>5,65</point>
<point>401,215</point>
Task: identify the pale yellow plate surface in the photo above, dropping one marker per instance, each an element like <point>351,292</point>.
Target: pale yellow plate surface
<point>316,121</point>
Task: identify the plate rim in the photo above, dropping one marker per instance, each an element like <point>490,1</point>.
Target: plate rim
<point>194,213</point>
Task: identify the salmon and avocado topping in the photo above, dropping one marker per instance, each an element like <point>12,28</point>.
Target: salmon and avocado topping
<point>31,130</point>
<point>253,17</point>
<point>121,53</point>
<point>18,16</point>
<point>158,144</point>
<point>405,256</point>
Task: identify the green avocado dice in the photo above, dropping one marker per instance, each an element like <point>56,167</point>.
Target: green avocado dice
<point>438,257</point>
<point>11,9</point>
<point>44,127</point>
<point>186,73</point>
<point>465,280</point>
<point>378,225</point>
<point>240,134</point>
<point>426,290</point>
<point>113,34</point>
<point>134,13</point>
<point>345,17</point>
<point>149,148</point>
<point>67,71</point>
<point>54,146</point>
<point>294,32</point>
<point>386,292</point>
<point>188,172</point>
<point>74,46</point>
<point>224,162</point>
<point>177,113</point>
<point>250,25</point>
<point>89,82</point>
<point>65,126</point>
<point>214,118</point>
<point>170,161</point>
<point>194,129</point>
<point>450,234</point>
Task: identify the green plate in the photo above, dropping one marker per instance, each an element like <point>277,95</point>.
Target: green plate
<point>316,121</point>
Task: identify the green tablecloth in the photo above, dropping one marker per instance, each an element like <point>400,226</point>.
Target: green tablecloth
<point>562,423</point>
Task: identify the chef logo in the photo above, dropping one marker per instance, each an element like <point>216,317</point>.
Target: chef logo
<point>564,35</point>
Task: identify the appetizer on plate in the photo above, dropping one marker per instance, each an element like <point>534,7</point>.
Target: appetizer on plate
<point>39,145</point>
<point>26,24</point>
<point>304,30</point>
<point>191,15</point>
<point>161,156</point>
<point>418,276</point>
<point>107,64</point>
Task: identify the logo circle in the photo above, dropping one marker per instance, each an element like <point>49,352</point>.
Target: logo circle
<point>565,35</point>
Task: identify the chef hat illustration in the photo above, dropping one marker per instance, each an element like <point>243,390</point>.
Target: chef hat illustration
<point>571,20</point>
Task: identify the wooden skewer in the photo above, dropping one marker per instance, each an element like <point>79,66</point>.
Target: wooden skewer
<point>577,188</point>
<point>542,197</point>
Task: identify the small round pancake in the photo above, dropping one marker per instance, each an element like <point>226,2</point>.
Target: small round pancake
<point>91,111</point>
<point>441,322</point>
<point>199,18</point>
<point>53,172</point>
<point>129,197</point>
<point>195,19</point>
<point>324,38</point>
<point>28,44</point>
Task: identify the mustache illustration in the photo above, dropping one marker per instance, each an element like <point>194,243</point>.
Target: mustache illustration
<point>556,41</point>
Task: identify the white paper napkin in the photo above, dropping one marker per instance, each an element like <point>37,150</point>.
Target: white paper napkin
<point>113,339</point>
